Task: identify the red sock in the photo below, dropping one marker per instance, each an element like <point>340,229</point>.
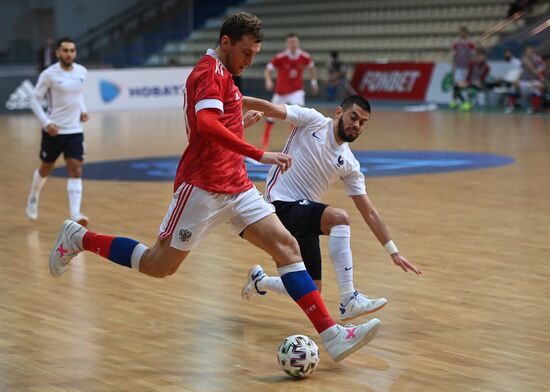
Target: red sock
<point>267,132</point>
<point>313,306</point>
<point>97,243</point>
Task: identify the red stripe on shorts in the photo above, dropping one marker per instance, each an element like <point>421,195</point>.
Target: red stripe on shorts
<point>176,213</point>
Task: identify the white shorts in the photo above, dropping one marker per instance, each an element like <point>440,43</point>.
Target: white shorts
<point>460,74</point>
<point>530,87</point>
<point>193,212</point>
<point>295,98</point>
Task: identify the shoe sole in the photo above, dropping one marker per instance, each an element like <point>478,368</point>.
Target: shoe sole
<point>364,313</point>
<point>366,339</point>
<point>53,271</point>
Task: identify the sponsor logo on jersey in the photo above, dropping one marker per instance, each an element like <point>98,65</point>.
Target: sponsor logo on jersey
<point>314,134</point>
<point>339,162</point>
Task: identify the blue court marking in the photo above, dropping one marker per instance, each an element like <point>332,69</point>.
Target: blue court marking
<point>375,163</point>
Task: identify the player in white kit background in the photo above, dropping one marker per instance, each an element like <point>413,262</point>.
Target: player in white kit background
<point>62,84</point>
<point>321,155</point>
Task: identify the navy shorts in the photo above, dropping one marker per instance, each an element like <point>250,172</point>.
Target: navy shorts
<point>71,145</point>
<point>303,219</point>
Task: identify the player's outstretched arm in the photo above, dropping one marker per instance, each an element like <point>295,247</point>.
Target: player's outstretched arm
<point>210,126</point>
<point>377,226</point>
<point>269,109</point>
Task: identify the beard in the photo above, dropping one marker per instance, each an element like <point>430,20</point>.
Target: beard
<point>342,132</point>
<point>66,63</point>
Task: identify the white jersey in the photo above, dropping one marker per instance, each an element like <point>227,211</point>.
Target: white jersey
<point>64,93</point>
<point>317,160</point>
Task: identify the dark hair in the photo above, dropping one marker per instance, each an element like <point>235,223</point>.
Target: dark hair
<point>62,40</point>
<point>355,99</point>
<point>242,23</point>
<point>292,35</point>
<point>463,28</point>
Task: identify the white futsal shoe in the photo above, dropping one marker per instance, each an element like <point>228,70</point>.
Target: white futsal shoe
<point>82,220</point>
<point>250,289</point>
<point>359,305</point>
<point>351,338</point>
<point>67,245</point>
<point>32,208</point>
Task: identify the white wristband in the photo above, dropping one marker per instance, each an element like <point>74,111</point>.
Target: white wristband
<point>313,82</point>
<point>391,248</point>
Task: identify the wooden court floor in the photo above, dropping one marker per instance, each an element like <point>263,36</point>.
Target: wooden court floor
<point>478,320</point>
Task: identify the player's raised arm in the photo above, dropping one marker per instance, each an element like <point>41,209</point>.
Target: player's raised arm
<point>269,109</point>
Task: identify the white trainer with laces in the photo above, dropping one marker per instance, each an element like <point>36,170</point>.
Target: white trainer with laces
<point>250,289</point>
<point>81,219</point>
<point>67,245</point>
<point>32,208</point>
<point>351,338</point>
<point>359,305</point>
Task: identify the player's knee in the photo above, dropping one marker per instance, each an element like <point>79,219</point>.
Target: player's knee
<point>289,247</point>
<point>74,172</point>
<point>340,217</point>
<point>158,264</point>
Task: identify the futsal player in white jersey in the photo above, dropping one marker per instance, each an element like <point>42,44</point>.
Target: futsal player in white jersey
<point>62,84</point>
<point>321,155</point>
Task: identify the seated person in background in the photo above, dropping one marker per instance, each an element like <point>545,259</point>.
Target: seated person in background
<point>478,70</point>
<point>337,77</point>
<point>503,83</point>
<point>530,84</point>
<point>513,72</point>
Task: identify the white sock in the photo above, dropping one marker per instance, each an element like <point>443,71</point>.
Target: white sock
<point>271,283</point>
<point>74,191</point>
<point>37,183</point>
<point>136,255</point>
<point>342,260</point>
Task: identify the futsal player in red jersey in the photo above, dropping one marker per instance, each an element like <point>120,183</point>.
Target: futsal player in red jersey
<point>212,187</point>
<point>289,88</point>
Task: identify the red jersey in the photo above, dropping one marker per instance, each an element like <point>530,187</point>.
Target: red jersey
<point>477,73</point>
<point>463,52</point>
<point>290,69</point>
<point>206,163</point>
